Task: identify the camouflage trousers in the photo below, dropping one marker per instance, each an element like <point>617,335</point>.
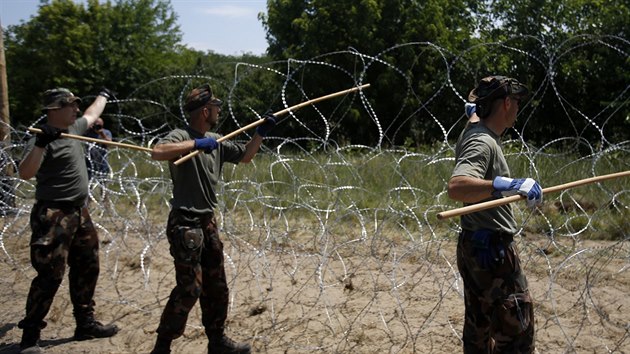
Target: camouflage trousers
<point>61,234</point>
<point>499,315</point>
<point>199,273</point>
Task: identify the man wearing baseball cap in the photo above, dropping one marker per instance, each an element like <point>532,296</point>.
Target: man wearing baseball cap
<point>62,230</point>
<point>499,315</point>
<point>191,229</point>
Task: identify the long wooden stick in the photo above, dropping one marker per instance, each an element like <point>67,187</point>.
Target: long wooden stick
<point>507,200</point>
<point>279,113</point>
<point>98,141</point>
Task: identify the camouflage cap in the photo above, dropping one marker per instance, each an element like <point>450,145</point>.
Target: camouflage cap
<point>58,97</point>
<point>494,87</point>
<point>199,97</point>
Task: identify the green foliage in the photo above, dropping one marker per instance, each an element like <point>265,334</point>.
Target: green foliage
<point>84,47</point>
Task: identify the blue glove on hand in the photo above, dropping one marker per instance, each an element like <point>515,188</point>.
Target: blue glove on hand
<point>265,128</point>
<point>504,186</point>
<point>206,144</point>
<point>487,255</point>
<point>470,108</point>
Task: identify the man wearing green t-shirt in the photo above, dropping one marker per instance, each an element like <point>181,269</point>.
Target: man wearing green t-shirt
<point>62,230</point>
<point>499,315</point>
<point>191,229</point>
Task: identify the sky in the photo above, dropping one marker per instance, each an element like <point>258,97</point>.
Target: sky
<point>229,27</point>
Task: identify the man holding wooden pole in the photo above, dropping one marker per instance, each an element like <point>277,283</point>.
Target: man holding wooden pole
<point>499,315</point>
<point>62,230</point>
<point>191,229</point>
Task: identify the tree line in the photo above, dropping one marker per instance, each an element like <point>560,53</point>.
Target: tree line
<point>567,51</point>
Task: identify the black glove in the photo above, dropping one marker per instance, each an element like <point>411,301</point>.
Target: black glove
<point>107,93</point>
<point>47,135</point>
<point>265,128</point>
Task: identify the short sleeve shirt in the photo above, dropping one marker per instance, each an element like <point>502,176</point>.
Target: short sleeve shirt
<point>195,181</point>
<point>62,175</point>
<point>478,154</point>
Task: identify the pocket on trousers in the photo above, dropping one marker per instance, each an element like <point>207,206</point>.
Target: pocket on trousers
<point>188,243</point>
<point>517,315</point>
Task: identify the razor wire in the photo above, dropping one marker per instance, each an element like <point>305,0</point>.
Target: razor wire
<point>317,261</point>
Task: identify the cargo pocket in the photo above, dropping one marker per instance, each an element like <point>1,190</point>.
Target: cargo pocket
<point>516,314</point>
<point>187,244</point>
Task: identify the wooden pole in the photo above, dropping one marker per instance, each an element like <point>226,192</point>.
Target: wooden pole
<point>507,200</point>
<point>279,113</point>
<point>98,141</point>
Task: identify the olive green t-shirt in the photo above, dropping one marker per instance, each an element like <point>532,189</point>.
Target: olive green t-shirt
<point>478,154</point>
<point>62,174</point>
<point>195,180</point>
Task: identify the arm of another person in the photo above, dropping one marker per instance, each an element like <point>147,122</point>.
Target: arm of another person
<point>105,134</point>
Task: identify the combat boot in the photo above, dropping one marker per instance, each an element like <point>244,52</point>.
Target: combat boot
<point>221,344</point>
<point>91,329</point>
<point>30,337</point>
<point>162,346</point>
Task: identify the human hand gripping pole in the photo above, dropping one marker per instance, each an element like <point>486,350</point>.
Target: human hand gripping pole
<point>268,124</point>
<point>48,134</point>
<point>206,144</point>
<point>528,187</point>
<point>276,114</point>
<point>507,200</point>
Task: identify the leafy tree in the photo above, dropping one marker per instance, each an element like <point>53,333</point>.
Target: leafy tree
<point>117,45</point>
<point>305,29</point>
<point>579,44</point>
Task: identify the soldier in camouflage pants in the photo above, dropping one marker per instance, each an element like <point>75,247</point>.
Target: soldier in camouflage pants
<point>191,229</point>
<point>499,314</point>
<point>61,234</point>
<point>62,230</point>
<point>200,274</point>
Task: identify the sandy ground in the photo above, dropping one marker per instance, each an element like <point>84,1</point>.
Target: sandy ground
<point>306,291</point>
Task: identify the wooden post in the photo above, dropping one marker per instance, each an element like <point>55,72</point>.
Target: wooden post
<point>5,125</point>
<point>7,186</point>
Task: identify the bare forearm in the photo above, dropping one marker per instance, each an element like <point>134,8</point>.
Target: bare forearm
<point>468,189</point>
<point>95,109</point>
<point>170,151</point>
<point>251,148</point>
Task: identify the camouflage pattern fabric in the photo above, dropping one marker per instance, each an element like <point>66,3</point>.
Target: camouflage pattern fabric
<point>199,272</point>
<point>499,311</point>
<point>61,234</point>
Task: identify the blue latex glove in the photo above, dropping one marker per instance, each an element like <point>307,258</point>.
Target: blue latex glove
<point>48,135</point>
<point>265,128</point>
<point>206,144</point>
<point>470,108</point>
<point>488,255</point>
<point>504,186</point>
